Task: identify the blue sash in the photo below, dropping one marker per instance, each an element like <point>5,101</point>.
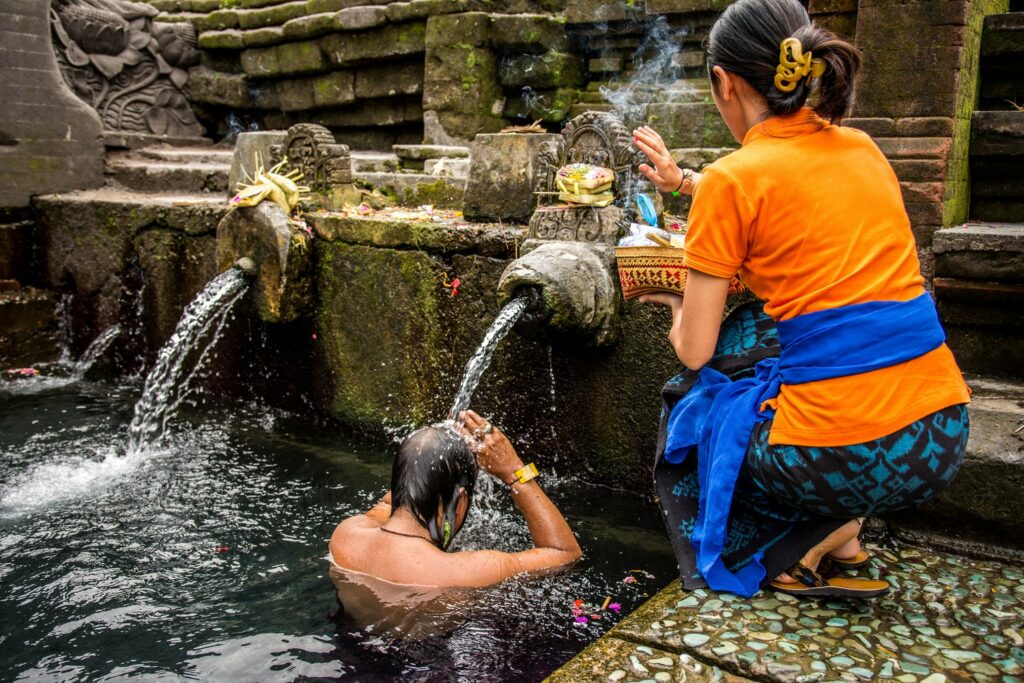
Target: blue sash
<point>717,416</point>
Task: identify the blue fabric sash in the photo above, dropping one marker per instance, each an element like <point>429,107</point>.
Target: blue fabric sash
<point>717,416</point>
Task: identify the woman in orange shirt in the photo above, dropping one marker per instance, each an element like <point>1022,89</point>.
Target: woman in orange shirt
<point>834,399</point>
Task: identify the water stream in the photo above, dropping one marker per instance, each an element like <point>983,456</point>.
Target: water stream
<point>476,366</point>
<point>167,384</point>
<point>95,350</point>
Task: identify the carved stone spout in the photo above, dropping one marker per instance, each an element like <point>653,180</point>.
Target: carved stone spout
<point>279,255</point>
<point>578,294</point>
<point>569,250</point>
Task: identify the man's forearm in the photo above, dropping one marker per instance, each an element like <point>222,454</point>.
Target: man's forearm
<point>548,528</point>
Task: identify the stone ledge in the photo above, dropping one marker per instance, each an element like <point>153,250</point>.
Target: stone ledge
<point>152,175</point>
<point>441,237</point>
<point>27,329</point>
<point>997,133</point>
<point>947,618</point>
<point>612,659</point>
<point>980,237</point>
<point>415,189</point>
<point>1003,34</point>
<point>195,214</point>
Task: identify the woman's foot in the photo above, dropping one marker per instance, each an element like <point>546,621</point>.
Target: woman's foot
<point>847,551</point>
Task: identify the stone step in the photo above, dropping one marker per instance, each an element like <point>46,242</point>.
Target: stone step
<point>997,145</point>
<point>981,251</point>
<point>447,168</point>
<point>947,618</point>
<point>979,288</point>
<point>416,189</point>
<point>424,152</point>
<point>374,162</point>
<point>997,133</point>
<point>27,328</point>
<point>1003,34</point>
<point>983,506</point>
<point>145,175</point>
<point>187,154</point>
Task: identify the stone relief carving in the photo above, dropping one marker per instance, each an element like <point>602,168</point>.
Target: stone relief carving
<point>596,138</point>
<point>312,150</point>
<point>127,67</point>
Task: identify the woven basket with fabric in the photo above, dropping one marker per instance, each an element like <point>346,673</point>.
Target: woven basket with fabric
<point>646,270</point>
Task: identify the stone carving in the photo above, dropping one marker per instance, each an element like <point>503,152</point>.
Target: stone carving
<point>312,150</point>
<point>127,67</point>
<point>595,138</point>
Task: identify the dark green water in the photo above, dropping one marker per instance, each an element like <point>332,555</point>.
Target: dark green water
<point>205,559</point>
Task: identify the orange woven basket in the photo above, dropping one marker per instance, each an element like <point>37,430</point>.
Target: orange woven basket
<point>646,270</point>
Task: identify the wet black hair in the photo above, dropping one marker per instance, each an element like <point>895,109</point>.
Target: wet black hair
<point>746,41</point>
<point>433,465</point>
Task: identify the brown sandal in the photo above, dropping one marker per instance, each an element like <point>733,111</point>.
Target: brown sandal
<point>809,583</point>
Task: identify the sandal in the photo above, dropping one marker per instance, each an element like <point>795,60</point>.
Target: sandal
<point>810,583</point>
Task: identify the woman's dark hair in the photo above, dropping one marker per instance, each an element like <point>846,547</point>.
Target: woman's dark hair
<point>434,465</point>
<point>746,41</point>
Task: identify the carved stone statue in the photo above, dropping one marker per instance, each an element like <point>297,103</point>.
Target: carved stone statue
<point>596,138</point>
<point>326,166</point>
<point>127,67</point>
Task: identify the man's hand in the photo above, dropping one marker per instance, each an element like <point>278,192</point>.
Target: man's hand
<point>494,452</point>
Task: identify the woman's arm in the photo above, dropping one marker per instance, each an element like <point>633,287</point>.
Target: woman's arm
<point>696,317</point>
<point>663,172</point>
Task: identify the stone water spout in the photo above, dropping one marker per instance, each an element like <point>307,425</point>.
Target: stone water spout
<point>569,251</point>
<point>277,249</point>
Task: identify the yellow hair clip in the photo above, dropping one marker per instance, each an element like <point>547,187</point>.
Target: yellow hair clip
<point>795,65</point>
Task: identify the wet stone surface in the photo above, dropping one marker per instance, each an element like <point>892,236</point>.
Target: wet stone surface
<point>947,618</point>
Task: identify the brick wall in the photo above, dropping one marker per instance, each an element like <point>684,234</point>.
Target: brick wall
<point>49,140</point>
<point>916,97</point>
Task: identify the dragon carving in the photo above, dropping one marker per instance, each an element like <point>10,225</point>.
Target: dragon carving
<point>127,67</point>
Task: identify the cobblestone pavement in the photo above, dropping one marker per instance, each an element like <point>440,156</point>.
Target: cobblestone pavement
<point>947,618</point>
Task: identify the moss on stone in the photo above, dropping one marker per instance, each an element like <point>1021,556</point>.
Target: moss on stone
<point>380,323</point>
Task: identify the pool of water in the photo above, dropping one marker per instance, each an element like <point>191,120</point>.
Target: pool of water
<point>206,558</point>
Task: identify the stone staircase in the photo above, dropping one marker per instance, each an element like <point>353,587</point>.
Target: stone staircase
<point>979,267</point>
<point>415,174</point>
<point>171,170</point>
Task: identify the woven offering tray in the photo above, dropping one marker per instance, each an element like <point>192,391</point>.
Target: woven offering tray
<point>647,270</point>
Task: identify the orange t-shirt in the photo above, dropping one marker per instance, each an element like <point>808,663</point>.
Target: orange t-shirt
<point>811,218</point>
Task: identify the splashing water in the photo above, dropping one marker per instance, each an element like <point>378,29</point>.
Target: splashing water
<point>96,349</point>
<point>167,385</point>
<point>476,366</point>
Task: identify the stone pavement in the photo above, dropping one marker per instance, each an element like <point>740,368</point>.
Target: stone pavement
<point>947,618</point>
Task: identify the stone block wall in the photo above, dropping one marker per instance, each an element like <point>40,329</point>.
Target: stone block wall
<point>49,139</point>
<point>920,115</point>
<point>363,69</point>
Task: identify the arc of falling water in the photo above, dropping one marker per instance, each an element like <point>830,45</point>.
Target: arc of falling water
<point>476,366</point>
<point>166,387</point>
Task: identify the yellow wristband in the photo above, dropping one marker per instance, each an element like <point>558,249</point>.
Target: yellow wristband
<point>525,474</point>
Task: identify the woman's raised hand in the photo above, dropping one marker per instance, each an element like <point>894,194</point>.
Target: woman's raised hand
<point>663,172</point>
<point>494,452</point>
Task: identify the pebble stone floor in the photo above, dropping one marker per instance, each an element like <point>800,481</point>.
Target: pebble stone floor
<point>947,618</point>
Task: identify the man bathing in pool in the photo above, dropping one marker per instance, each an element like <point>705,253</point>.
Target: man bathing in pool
<point>404,538</point>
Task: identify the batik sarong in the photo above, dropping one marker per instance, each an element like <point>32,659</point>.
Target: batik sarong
<point>789,498</point>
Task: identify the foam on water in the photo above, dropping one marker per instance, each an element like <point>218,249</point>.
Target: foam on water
<point>44,485</point>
